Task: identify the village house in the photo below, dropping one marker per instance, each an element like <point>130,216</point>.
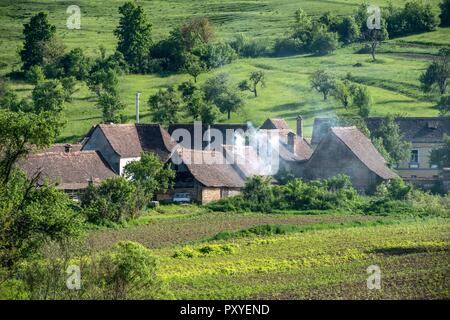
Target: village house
<point>120,144</point>
<point>424,134</point>
<point>204,176</point>
<point>70,171</point>
<point>346,150</point>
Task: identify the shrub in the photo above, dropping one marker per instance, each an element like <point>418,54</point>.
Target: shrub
<point>115,200</point>
<point>205,251</point>
<point>249,48</point>
<point>395,189</point>
<point>289,46</point>
<point>126,271</point>
<point>35,75</point>
<point>324,42</point>
<point>215,55</point>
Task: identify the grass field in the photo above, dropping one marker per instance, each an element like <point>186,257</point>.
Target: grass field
<point>393,82</point>
<point>323,257</point>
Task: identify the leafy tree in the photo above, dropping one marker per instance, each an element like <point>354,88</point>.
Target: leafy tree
<point>196,32</point>
<point>444,105</point>
<point>69,86</point>
<point>258,191</point>
<point>437,73</point>
<point>342,92</point>
<point>110,104</point>
<point>150,174</point>
<point>194,104</point>
<point>374,38</point>
<point>246,47</point>
<point>362,100</point>
<point>194,66</point>
<point>215,55</point>
<point>76,64</point>
<point>134,35</point>
<point>37,31</point>
<point>218,91</point>
<point>32,216</point>
<point>48,96</point>
<point>441,155</point>
<point>35,74</point>
<point>20,133</point>
<point>209,113</point>
<point>256,77</point>
<point>349,31</point>
<point>187,89</point>
<point>303,26</point>
<point>114,200</point>
<point>392,140</point>
<point>323,42</point>
<point>323,82</point>
<point>103,81</point>
<point>445,13</point>
<point>127,270</point>
<point>165,106</point>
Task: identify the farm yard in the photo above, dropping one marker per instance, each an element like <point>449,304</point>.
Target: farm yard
<point>315,256</point>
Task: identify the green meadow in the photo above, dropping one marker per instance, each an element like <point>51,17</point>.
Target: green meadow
<point>205,255</point>
<point>393,80</point>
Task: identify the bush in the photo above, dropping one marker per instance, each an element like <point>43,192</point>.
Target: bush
<point>205,251</point>
<point>289,46</point>
<point>115,200</point>
<point>215,55</point>
<point>324,42</point>
<point>35,75</point>
<point>127,271</point>
<point>249,48</point>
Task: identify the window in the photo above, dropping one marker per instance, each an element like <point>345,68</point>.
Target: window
<point>414,161</point>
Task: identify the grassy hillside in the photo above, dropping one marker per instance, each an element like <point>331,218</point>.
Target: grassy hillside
<point>393,80</point>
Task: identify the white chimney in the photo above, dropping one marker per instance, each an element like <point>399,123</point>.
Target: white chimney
<point>137,106</point>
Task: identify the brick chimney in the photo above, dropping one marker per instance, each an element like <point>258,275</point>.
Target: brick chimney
<point>67,148</point>
<point>291,142</point>
<point>299,126</point>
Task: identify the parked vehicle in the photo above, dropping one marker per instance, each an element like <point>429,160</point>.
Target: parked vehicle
<point>182,198</point>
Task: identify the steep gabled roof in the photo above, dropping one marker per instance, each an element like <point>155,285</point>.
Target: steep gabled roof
<point>414,129</point>
<point>275,123</point>
<point>203,166</point>
<point>364,150</point>
<point>70,171</point>
<point>222,127</point>
<point>130,140</point>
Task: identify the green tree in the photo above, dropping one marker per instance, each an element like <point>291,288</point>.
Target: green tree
<point>194,66</point>
<point>103,80</point>
<point>20,133</point>
<point>134,35</point>
<point>165,106</point>
<point>48,96</point>
<point>35,74</point>
<point>441,156</point>
<point>323,82</point>
<point>342,92</point>
<point>76,64</point>
<point>219,92</point>
<point>115,200</point>
<point>444,105</point>
<point>128,270</point>
<point>209,113</point>
<point>362,100</point>
<point>69,86</point>
<point>445,13</point>
<point>110,104</point>
<point>391,138</point>
<point>323,42</point>
<point>258,191</point>
<point>437,74</point>
<point>256,78</point>
<point>349,31</point>
<point>150,174</point>
<point>37,31</point>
